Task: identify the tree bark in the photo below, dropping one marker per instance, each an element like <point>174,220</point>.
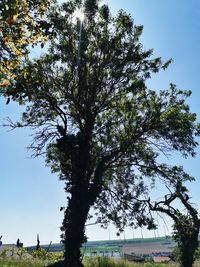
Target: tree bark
<point>74,225</point>
<point>189,247</point>
<point>186,259</point>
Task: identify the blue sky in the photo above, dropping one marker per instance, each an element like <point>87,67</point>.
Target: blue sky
<point>30,196</point>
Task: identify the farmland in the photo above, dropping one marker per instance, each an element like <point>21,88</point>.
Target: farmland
<point>106,245</point>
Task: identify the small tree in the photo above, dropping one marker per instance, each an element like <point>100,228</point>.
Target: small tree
<point>186,224</point>
<point>99,125</point>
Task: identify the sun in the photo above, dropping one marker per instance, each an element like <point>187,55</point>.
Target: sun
<point>79,14</point>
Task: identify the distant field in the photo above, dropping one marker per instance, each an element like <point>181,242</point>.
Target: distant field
<point>108,248</point>
<point>109,245</point>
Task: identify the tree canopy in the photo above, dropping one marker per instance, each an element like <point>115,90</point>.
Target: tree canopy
<point>101,128</point>
<point>22,23</point>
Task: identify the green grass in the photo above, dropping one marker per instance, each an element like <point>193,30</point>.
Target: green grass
<point>22,263</point>
<point>88,262</point>
<point>107,262</point>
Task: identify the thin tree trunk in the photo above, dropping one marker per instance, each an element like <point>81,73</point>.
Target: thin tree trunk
<point>74,225</point>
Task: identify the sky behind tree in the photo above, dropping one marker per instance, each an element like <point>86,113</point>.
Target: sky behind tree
<point>31,196</point>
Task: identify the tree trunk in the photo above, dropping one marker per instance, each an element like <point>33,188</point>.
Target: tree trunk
<point>189,247</point>
<point>74,226</point>
<point>186,261</point>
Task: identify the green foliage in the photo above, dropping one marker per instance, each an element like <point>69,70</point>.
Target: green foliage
<point>42,254</point>
<point>13,252</point>
<point>197,253</point>
<point>107,262</point>
<point>21,263</point>
<point>101,128</point>
<point>22,23</point>
<point>183,227</point>
<point>186,224</point>
<point>185,233</point>
<point>21,252</point>
<point>88,262</point>
<point>3,254</point>
<point>148,264</point>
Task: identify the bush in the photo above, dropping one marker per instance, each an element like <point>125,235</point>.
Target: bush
<point>42,254</point>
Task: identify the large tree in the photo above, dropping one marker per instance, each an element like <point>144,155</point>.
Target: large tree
<point>99,125</point>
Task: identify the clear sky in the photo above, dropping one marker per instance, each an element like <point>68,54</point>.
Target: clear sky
<point>30,196</point>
